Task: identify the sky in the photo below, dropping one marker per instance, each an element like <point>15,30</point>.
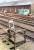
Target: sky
<point>6,1</point>
<point>2,1</point>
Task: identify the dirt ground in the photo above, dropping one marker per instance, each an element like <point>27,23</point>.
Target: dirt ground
<point>29,45</point>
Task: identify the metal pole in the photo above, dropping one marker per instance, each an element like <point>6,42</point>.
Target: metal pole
<point>25,36</point>
<point>9,35</point>
<point>14,41</point>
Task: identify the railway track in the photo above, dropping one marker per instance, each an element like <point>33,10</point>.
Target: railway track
<point>28,22</point>
<point>5,22</point>
<point>23,20</point>
<point>29,32</point>
<point>20,24</point>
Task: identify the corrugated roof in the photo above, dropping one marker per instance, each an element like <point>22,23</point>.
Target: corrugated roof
<point>15,3</point>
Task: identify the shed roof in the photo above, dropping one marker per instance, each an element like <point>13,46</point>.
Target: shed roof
<point>15,3</point>
<point>23,3</point>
